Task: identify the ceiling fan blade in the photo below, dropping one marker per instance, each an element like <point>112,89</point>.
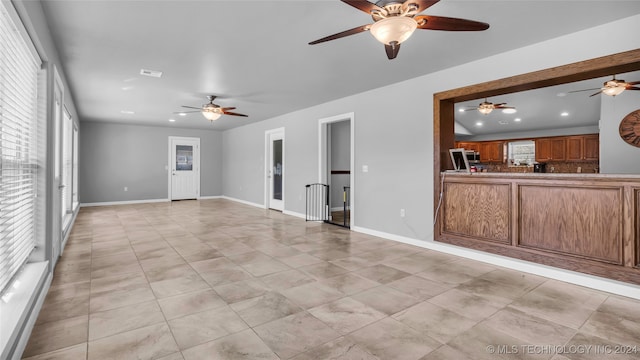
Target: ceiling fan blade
<point>392,50</point>
<point>191,107</point>
<point>423,4</point>
<point>499,105</point>
<point>633,82</point>
<point>428,22</point>
<point>234,114</point>
<point>575,91</point>
<point>596,93</point>
<point>633,88</point>
<point>227,108</point>
<point>339,35</point>
<point>363,5</point>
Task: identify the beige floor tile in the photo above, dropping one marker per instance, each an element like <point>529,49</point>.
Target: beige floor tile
<point>145,343</point>
<point>57,335</point>
<point>311,294</point>
<point>286,279</point>
<point>295,334</point>
<point>178,285</point>
<point>111,322</point>
<point>386,299</point>
<point>349,283</point>
<point>382,273</point>
<point>123,296</point>
<point>530,329</point>
<point>73,352</point>
<point>268,307</point>
<point>244,345</point>
<point>323,270</point>
<point>342,348</point>
<point>596,348</point>
<point>418,287</point>
<point>265,267</point>
<point>65,308</point>
<point>299,260</point>
<point>346,315</point>
<point>169,272</point>
<point>202,327</point>
<point>484,343</point>
<point>436,322</point>
<point>241,290</point>
<point>189,303</point>
<point>467,304</point>
<point>391,339</point>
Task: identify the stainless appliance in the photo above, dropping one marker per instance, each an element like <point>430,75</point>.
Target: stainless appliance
<point>539,168</point>
<point>473,156</point>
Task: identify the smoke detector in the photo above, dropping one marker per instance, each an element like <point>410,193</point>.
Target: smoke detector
<point>152,73</point>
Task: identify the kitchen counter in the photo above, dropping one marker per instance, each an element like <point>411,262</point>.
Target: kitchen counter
<point>514,175</point>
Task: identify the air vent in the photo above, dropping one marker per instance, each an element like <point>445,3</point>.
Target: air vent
<point>152,73</point>
<point>503,122</point>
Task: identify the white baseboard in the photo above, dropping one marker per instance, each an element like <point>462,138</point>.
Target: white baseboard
<point>590,281</point>
<point>210,197</point>
<point>296,214</point>
<point>128,202</point>
<point>243,201</point>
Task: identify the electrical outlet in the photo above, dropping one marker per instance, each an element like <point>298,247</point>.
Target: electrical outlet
<point>126,188</point>
<point>365,168</point>
<point>402,212</point>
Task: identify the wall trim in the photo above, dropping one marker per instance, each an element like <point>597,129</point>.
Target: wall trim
<point>127,202</point>
<point>210,197</point>
<point>589,281</point>
<point>243,201</point>
<point>296,214</point>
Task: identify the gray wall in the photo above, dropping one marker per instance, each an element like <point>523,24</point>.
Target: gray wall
<point>395,142</point>
<point>616,156</point>
<point>340,160</point>
<point>117,155</point>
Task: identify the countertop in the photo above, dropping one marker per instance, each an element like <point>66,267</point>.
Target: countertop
<point>514,175</point>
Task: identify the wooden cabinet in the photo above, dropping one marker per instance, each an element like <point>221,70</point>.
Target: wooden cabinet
<point>492,152</point>
<point>468,145</point>
<point>583,148</point>
<point>550,149</point>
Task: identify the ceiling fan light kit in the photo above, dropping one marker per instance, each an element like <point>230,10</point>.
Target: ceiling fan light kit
<point>393,30</point>
<point>211,111</point>
<point>396,20</point>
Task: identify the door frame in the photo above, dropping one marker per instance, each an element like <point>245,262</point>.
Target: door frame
<point>170,165</point>
<point>323,158</point>
<point>267,164</point>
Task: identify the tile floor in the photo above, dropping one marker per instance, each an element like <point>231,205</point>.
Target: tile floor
<point>214,279</point>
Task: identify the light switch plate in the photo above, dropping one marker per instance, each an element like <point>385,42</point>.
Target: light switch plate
<point>365,168</point>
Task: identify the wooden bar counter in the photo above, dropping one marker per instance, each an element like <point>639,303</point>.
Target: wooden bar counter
<point>583,222</point>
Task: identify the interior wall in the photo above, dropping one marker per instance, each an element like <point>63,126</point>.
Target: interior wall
<point>115,156</point>
<point>396,141</point>
<point>340,160</point>
<point>616,156</point>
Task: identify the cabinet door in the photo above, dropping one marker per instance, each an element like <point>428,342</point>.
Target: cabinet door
<point>543,150</point>
<point>492,151</point>
<point>575,148</point>
<point>558,149</point>
<point>591,147</point>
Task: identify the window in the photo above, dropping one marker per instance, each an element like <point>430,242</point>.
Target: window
<point>67,167</point>
<point>19,73</point>
<point>522,152</point>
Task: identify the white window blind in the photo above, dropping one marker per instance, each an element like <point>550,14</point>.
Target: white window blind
<point>18,148</point>
<point>67,128</point>
<point>75,168</point>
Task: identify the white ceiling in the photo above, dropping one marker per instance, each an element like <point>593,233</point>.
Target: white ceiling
<point>254,54</point>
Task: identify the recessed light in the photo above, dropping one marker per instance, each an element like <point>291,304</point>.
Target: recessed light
<point>461,110</point>
<point>172,120</point>
<point>479,123</point>
<point>126,88</point>
<point>182,114</point>
<point>509,111</point>
<point>127,112</point>
<point>561,94</point>
<point>564,113</point>
<point>517,119</point>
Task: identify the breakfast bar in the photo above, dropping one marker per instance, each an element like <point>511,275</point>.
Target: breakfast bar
<point>582,222</point>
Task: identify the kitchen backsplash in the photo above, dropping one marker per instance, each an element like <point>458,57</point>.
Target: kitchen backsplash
<point>552,167</point>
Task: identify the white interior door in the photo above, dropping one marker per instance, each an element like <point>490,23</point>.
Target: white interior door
<point>275,172</point>
<point>184,168</point>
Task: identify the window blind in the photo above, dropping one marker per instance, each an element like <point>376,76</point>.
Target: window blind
<point>18,148</point>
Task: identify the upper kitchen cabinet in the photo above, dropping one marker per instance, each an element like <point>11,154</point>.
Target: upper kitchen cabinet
<point>492,151</point>
<point>548,149</point>
<point>583,148</point>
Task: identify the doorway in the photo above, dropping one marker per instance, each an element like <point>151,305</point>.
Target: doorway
<point>184,171</point>
<point>337,165</point>
<point>274,164</point>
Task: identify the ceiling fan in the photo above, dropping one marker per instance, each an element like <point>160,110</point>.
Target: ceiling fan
<point>396,20</point>
<point>613,87</point>
<point>487,107</point>
<point>211,111</point>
